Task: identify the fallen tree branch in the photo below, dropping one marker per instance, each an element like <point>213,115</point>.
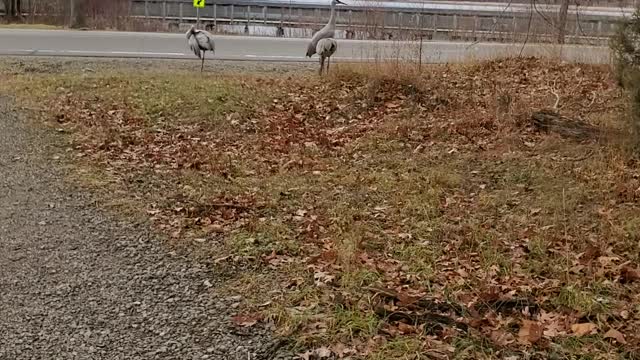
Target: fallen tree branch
<point>551,121</point>
<point>509,305</point>
<point>422,303</point>
<point>433,323</point>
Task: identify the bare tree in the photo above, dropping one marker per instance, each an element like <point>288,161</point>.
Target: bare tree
<point>12,8</point>
<point>562,21</point>
<point>78,13</point>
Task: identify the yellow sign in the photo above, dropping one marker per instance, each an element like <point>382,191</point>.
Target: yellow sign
<point>198,3</point>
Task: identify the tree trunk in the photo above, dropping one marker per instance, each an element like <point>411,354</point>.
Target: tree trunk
<point>78,13</point>
<point>10,9</point>
<point>562,21</point>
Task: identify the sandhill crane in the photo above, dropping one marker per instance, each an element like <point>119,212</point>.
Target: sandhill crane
<point>326,48</point>
<point>200,41</point>
<point>328,31</point>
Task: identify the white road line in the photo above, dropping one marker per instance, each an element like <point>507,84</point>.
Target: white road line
<point>104,52</point>
<point>146,53</point>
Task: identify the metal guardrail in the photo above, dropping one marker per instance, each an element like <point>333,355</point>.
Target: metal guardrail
<point>381,22</point>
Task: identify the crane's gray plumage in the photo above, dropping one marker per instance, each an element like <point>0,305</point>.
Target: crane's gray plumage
<point>325,48</point>
<point>328,31</point>
<point>200,42</point>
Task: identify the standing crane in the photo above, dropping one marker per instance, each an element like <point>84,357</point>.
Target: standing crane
<point>325,48</point>
<point>201,41</point>
<point>322,42</point>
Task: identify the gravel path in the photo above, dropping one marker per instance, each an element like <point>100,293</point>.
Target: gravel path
<point>76,284</point>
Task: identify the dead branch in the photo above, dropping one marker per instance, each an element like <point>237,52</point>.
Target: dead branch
<point>555,106</point>
<point>433,323</point>
<point>553,90</point>
<point>505,306</point>
<point>575,159</point>
<point>234,206</point>
<point>551,121</point>
<point>593,99</point>
<point>422,303</point>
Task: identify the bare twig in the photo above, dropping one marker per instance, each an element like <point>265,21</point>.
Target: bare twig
<point>493,28</point>
<point>553,90</point>
<point>526,39</point>
<point>555,106</point>
<point>544,17</point>
<point>595,95</point>
<point>229,205</point>
<point>581,158</point>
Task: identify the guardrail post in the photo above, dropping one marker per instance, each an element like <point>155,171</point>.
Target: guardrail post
<point>215,14</point>
<point>264,14</point>
<point>248,16</point>
<point>146,9</point>
<point>280,29</point>
<point>515,29</point>
<point>231,16</point>
<point>164,10</point>
<point>435,26</point>
<point>394,20</point>
<point>180,13</point>
<point>475,27</point>
<point>455,26</point>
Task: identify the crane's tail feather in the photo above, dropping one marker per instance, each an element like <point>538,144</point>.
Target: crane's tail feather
<point>193,44</point>
<point>196,51</point>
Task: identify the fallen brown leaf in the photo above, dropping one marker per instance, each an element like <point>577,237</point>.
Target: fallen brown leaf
<point>583,329</point>
<point>501,338</point>
<point>530,332</point>
<point>616,335</point>
<point>323,352</point>
<point>629,274</point>
<point>246,320</point>
<point>406,328</point>
<point>342,350</point>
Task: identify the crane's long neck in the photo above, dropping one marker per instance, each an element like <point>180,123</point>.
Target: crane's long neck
<point>332,17</point>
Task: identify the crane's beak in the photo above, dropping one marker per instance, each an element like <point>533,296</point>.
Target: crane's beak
<point>340,2</point>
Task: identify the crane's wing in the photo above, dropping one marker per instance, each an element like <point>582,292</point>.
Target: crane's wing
<point>326,47</point>
<point>205,40</point>
<point>323,33</point>
<point>193,44</point>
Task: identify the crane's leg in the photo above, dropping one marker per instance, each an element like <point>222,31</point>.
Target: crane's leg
<point>321,64</point>
<point>328,63</point>
<point>202,67</point>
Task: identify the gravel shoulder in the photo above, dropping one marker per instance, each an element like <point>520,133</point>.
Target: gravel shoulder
<point>77,284</point>
<point>53,65</point>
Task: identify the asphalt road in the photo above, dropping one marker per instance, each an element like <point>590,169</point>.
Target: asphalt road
<point>174,46</point>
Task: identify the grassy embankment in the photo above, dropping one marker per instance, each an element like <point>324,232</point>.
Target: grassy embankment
<point>380,212</point>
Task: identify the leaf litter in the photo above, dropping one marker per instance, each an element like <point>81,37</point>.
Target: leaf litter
<point>386,207</point>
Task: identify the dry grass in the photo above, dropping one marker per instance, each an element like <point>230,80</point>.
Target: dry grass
<point>30,26</point>
<point>335,196</point>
